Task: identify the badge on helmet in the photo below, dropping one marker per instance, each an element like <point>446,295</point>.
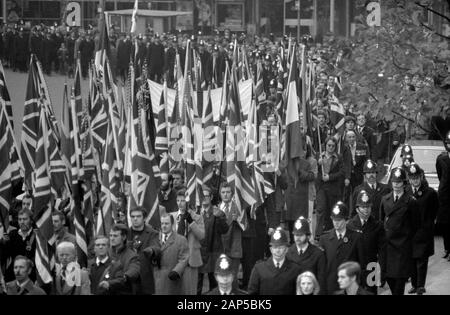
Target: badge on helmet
<point>279,238</point>
<point>370,167</point>
<point>339,211</point>
<point>363,199</point>
<point>398,175</point>
<point>223,266</point>
<point>301,227</point>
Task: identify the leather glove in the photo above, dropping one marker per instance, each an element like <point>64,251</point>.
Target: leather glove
<point>174,276</point>
<point>188,217</point>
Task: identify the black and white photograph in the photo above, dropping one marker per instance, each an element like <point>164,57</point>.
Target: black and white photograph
<point>204,148</point>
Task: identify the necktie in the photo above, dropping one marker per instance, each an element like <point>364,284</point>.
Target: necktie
<point>164,239</point>
<point>182,226</point>
<point>278,265</point>
<point>363,222</point>
<point>300,252</point>
<point>340,236</point>
<point>373,187</point>
<point>396,198</point>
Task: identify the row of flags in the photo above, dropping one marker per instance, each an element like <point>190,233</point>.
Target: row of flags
<point>114,135</point>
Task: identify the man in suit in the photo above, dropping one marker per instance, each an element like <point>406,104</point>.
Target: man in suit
<point>70,279</point>
<point>321,133</point>
<point>355,155</point>
<point>144,239</point>
<point>224,277</point>
<point>397,211</point>
<point>372,238</point>
<point>423,240</point>
<point>443,172</point>
<point>167,195</point>
<point>340,245</point>
<point>232,239</point>
<point>374,189</point>
<point>99,265</point>
<point>190,225</point>
<point>365,133</point>
<point>174,259</point>
<point>122,274</point>
<point>308,256</point>
<point>20,241</point>
<point>348,279</point>
<point>277,275</point>
<point>212,246</point>
<point>23,285</point>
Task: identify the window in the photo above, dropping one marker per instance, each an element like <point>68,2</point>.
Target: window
<point>230,15</point>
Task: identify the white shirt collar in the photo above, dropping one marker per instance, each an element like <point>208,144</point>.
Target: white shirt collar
<point>98,261</point>
<point>343,233</point>
<point>399,195</point>
<point>226,292</point>
<point>280,262</point>
<point>23,284</point>
<point>304,248</point>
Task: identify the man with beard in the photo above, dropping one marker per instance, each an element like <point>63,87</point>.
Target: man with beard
<point>308,256</point>
<point>374,189</point>
<point>167,196</point>
<point>21,242</point>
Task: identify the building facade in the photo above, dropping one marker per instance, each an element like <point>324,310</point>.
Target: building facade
<point>316,17</point>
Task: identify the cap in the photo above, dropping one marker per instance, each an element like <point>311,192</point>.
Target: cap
<point>363,199</point>
<point>414,170</point>
<point>268,58</point>
<point>279,238</point>
<point>370,167</point>
<point>339,211</point>
<point>398,175</point>
<point>350,118</point>
<point>223,266</point>
<point>406,150</point>
<point>301,227</point>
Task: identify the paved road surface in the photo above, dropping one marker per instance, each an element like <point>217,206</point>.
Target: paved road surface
<point>438,281</point>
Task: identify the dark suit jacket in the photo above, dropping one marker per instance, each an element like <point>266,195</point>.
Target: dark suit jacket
<point>354,172</point>
<point>266,279</point>
<point>96,273</point>
<point>340,251</point>
<point>400,228</point>
<point>30,289</point>
<point>337,175</point>
<point>148,239</point>
<point>313,259</point>
<point>361,291</point>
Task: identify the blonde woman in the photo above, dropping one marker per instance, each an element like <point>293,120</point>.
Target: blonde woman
<point>307,284</point>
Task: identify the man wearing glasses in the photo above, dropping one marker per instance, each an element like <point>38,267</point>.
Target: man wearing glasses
<point>212,246</point>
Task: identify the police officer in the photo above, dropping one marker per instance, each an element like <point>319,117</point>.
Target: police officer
<point>397,211</point>
<point>423,240</point>
<point>443,172</point>
<point>374,189</point>
<point>340,244</point>
<point>308,256</point>
<point>224,275</point>
<point>277,275</point>
<point>406,150</point>
<point>372,238</point>
<point>272,88</point>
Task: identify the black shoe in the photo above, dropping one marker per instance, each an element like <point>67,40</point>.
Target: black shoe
<point>446,255</point>
<point>421,291</point>
<point>412,290</point>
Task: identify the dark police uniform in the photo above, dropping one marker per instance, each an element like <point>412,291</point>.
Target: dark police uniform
<point>338,251</point>
<point>312,259</point>
<point>223,268</point>
<point>423,240</point>
<point>375,193</point>
<point>399,228</point>
<point>372,238</point>
<point>267,279</point>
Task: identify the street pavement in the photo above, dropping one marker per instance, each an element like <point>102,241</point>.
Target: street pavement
<point>438,280</point>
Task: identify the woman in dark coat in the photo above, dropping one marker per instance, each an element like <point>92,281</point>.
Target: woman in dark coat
<point>330,183</point>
